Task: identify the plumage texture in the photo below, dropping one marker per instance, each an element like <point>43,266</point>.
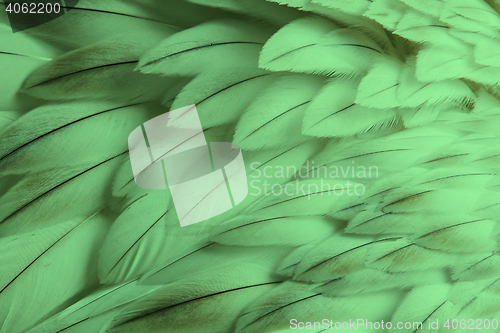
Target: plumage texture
<point>369,131</point>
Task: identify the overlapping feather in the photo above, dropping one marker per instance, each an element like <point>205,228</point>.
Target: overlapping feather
<point>398,98</point>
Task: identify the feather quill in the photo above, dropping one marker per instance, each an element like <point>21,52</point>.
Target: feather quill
<point>333,113</point>
<point>221,97</point>
<point>66,255</point>
<point>277,112</point>
<point>100,71</point>
<point>216,45</point>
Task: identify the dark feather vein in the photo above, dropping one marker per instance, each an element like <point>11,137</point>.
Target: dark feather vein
<point>378,92</point>
<point>254,222</point>
<point>107,293</point>
<point>347,251</point>
<point>68,124</point>
<point>232,85</point>
<point>290,266</point>
<point>74,324</point>
<point>408,197</point>
<point>199,202</point>
<point>16,54</point>
<point>282,307</point>
<point>197,48</point>
<point>40,255</point>
<point>163,155</point>
<point>392,252</point>
<point>384,191</point>
<point>476,297</point>
<point>358,45</point>
<point>451,226</point>
<point>113,13</point>
<point>197,299</point>
<point>331,281</point>
<point>489,206</point>
<point>336,112</point>
<point>82,71</point>
<point>371,219</point>
<point>136,241</point>
<point>224,89</point>
<point>427,318</point>
<point>476,8</point>
<point>488,157</point>
<point>61,184</point>
<point>314,44</point>
<point>274,118</point>
<point>422,26</point>
<point>356,156</point>
<point>280,154</point>
<point>456,59</point>
<point>96,299</point>
<point>416,91</point>
<point>477,263</point>
<point>456,176</point>
<point>445,157</point>
<point>134,201</point>
<point>367,154</point>
<point>350,207</point>
<point>291,51</point>
<point>185,256</point>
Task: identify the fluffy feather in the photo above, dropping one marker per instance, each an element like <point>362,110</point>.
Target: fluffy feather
<point>43,271</point>
<point>67,134</point>
<point>103,70</point>
<point>172,306</point>
<point>214,94</point>
<point>277,112</point>
<point>213,45</point>
<point>436,306</point>
<point>318,47</point>
<point>333,113</point>
<point>92,21</point>
<point>136,239</point>
<point>271,312</point>
<point>25,54</point>
<point>369,131</point>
